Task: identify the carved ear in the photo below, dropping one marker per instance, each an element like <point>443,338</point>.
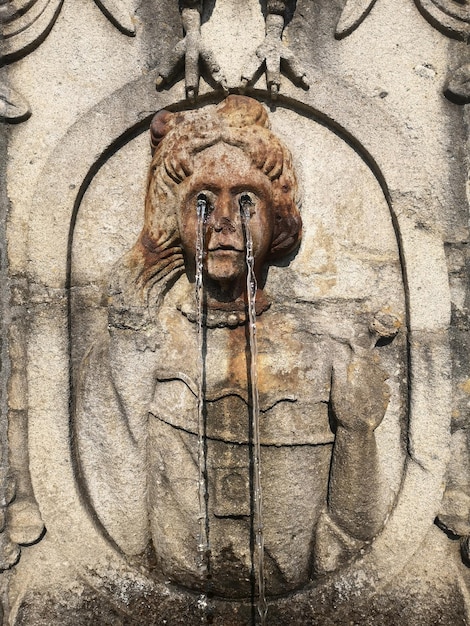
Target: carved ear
<point>242,111</point>
<point>286,236</point>
<point>287,220</point>
<point>161,125</point>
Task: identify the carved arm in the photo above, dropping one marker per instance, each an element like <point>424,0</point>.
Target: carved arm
<point>192,51</point>
<point>273,53</point>
<point>359,398</point>
<point>358,498</point>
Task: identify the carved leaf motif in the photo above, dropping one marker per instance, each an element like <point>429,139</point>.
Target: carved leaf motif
<point>25,24</point>
<point>354,13</point>
<point>13,107</point>
<point>119,13</point>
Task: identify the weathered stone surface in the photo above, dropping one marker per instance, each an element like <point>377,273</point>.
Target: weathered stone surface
<point>128,504</point>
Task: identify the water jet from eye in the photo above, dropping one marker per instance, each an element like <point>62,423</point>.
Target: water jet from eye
<point>251,287</point>
<point>203,548</point>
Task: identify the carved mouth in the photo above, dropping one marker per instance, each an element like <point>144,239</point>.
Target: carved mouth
<point>225,248</point>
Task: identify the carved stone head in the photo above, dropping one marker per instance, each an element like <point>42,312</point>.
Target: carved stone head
<point>219,153</point>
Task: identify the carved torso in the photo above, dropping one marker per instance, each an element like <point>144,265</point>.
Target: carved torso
<point>151,413</point>
<point>294,371</point>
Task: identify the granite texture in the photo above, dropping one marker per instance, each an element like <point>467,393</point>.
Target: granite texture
<point>120,503</point>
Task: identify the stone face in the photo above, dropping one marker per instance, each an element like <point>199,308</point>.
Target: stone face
<point>161,463</point>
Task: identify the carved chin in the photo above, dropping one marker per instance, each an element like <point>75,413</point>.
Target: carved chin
<point>225,265</point>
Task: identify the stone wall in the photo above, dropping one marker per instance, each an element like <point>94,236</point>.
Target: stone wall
<point>130,434</point>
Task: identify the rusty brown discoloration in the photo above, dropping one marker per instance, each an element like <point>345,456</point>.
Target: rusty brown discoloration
<point>191,149</point>
<point>270,379</point>
<point>237,369</point>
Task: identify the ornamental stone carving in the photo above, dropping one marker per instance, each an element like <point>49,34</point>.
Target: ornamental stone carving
<point>452,16</point>
<point>24,24</point>
<point>234,364</point>
<point>144,494</point>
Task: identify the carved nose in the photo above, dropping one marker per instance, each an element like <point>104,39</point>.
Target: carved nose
<point>223,216</point>
<point>225,225</point>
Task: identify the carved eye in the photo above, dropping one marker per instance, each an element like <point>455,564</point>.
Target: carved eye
<point>247,202</point>
<point>205,202</point>
<point>201,205</point>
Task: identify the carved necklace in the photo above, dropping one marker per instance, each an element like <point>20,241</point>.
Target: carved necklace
<point>224,314</point>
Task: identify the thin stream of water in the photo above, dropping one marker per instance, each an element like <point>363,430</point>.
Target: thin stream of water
<point>251,287</point>
<point>203,547</point>
<point>203,538</point>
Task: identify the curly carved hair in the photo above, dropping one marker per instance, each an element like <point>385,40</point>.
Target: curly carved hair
<point>239,121</point>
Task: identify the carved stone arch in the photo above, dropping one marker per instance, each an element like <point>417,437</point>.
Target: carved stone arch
<point>380,142</point>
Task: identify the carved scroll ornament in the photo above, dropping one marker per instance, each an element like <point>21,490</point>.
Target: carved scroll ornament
<point>24,24</point>
<point>354,13</point>
<point>119,13</point>
<point>13,107</point>
<point>450,16</point>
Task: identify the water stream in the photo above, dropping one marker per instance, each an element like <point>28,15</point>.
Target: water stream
<point>251,287</point>
<point>203,549</point>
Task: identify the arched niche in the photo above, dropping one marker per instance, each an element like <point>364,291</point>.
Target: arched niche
<point>336,119</point>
